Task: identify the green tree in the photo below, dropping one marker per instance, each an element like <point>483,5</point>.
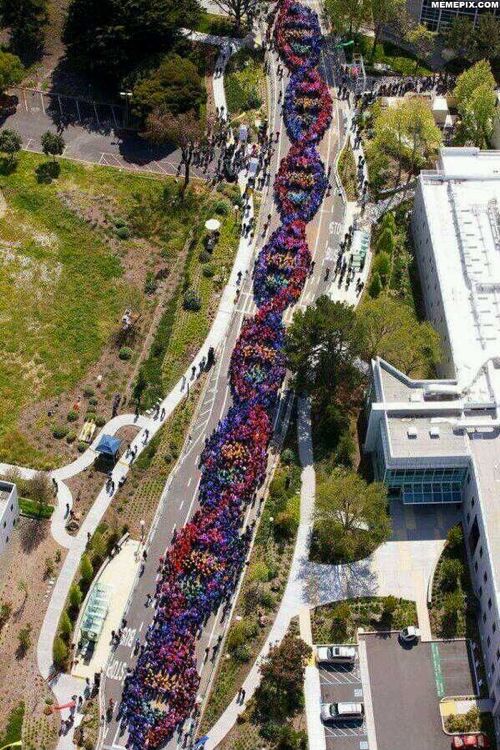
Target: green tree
<point>24,638</point>
<point>40,490</point>
<point>375,286</point>
<point>239,9</point>
<point>98,548</point>
<point>60,653</point>
<point>461,37</point>
<point>422,40</point>
<point>110,38</point>
<point>384,13</point>
<point>391,331</point>
<point>322,345</point>
<point>140,386</point>
<point>382,266</point>
<point>27,20</point>
<point>476,103</point>
<point>487,37</point>
<point>347,18</point>
<point>86,569</point>
<point>455,537</point>
<point>65,627</point>
<point>350,516</point>
<point>10,144</point>
<point>175,86</point>
<point>279,694</point>
<point>385,241</point>
<point>451,570</point>
<point>453,603</point>
<point>184,131</point>
<point>52,144</point>
<point>407,133</point>
<point>75,596</point>
<point>11,70</point>
<point>341,619</point>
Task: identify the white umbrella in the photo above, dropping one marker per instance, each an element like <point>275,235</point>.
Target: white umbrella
<point>212,225</point>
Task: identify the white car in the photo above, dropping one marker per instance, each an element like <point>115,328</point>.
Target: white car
<point>410,634</point>
<point>342,711</point>
<point>335,654</point>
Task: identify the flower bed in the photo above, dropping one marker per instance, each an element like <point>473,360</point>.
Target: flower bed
<point>201,568</point>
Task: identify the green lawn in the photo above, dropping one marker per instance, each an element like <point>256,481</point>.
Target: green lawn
<point>34,510</point>
<point>212,23</point>
<point>348,172</point>
<point>398,59</point>
<point>63,279</point>
<point>13,729</point>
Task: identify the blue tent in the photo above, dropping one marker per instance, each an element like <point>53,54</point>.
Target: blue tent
<point>109,445</point>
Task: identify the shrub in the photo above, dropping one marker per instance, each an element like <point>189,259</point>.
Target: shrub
<point>451,571</point>
<point>455,537</point>
<point>192,300</point>
<point>86,569</point>
<point>125,353</point>
<point>382,266</point>
<point>375,286</point>
<point>241,632</point>
<point>59,432</point>
<point>151,284</point>
<point>285,525</point>
<point>242,653</point>
<point>65,627</point>
<point>72,416</point>
<point>75,596</point>
<point>258,572</point>
<point>123,233</point>
<point>82,447</point>
<point>254,101</point>
<point>93,401</point>
<point>71,437</point>
<point>222,208</point>
<point>24,638</point>
<point>100,421</point>
<point>204,256</point>
<point>288,456</point>
<point>60,653</point>
<point>88,391</point>
<point>208,271</point>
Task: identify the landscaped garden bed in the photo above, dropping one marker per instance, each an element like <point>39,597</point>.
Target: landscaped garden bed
<point>338,622</point>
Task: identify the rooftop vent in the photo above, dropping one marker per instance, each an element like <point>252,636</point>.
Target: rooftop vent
<point>412,432</point>
<point>434,432</point>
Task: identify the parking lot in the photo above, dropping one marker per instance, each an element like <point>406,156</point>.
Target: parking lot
<point>342,683</point>
<point>406,685</point>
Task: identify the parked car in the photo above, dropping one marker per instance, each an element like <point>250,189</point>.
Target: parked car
<point>410,634</point>
<point>335,654</point>
<point>342,711</point>
<point>470,740</point>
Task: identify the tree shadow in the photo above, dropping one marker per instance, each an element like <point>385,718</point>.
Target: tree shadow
<point>32,533</point>
<point>48,171</point>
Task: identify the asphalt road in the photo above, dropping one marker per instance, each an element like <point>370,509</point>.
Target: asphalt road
<point>180,497</point>
<point>93,133</point>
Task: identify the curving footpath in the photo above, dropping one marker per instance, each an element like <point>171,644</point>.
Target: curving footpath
<point>64,685</point>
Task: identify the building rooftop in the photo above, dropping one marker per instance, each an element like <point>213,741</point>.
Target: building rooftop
<point>5,493</point>
<point>421,436</point>
<point>462,199</point>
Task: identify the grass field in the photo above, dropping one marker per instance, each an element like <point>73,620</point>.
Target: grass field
<point>245,85</point>
<point>68,269</point>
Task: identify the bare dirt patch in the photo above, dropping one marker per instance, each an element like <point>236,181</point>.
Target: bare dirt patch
<point>26,582</point>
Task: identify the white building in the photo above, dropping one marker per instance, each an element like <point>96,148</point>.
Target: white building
<point>9,512</point>
<point>439,441</point>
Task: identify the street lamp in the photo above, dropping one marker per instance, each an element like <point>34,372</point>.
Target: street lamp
<point>126,96</point>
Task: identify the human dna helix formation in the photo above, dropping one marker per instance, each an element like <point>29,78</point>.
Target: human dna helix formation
<point>203,564</point>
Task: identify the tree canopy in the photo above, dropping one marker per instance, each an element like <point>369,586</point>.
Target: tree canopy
<point>11,70</point>
<point>391,330</point>
<point>348,17</point>
<point>475,41</point>
<point>175,86</point>
<point>239,9</point>
<point>476,103</point>
<point>386,12</point>
<point>110,38</point>
<point>27,20</point>
<point>407,133</point>
<point>322,344</point>
<point>350,517</point>
<point>280,692</point>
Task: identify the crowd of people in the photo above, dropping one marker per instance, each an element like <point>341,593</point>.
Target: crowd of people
<point>201,567</point>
